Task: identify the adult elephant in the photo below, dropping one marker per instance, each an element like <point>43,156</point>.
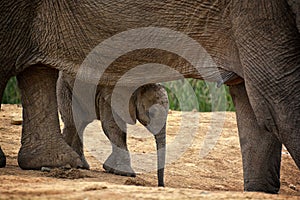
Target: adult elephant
<point>257,40</point>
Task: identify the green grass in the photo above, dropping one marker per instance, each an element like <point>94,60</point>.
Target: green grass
<point>192,94</point>
<point>184,95</point>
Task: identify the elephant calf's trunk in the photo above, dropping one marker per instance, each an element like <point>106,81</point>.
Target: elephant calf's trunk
<point>160,139</point>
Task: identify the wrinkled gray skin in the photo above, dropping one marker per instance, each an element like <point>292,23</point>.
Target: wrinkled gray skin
<point>149,104</point>
<point>257,40</point>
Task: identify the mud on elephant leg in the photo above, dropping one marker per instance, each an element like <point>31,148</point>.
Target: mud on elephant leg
<point>119,161</point>
<point>261,150</point>
<point>42,142</point>
<point>71,135</point>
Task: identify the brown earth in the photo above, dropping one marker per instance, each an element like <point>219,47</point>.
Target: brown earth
<point>217,175</point>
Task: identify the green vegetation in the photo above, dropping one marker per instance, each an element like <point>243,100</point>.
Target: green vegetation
<point>185,95</point>
<point>11,93</point>
<point>192,94</point>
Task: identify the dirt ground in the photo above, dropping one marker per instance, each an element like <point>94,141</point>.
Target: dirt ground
<point>189,174</point>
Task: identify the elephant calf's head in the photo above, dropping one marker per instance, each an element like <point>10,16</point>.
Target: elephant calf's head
<point>152,105</point>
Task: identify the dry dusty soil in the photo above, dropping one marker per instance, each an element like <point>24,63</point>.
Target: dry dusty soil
<point>193,170</point>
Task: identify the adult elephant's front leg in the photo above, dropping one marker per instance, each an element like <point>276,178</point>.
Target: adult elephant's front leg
<point>261,150</point>
<point>42,142</point>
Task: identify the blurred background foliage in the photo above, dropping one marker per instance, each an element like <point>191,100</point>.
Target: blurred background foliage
<point>11,93</point>
<point>193,94</point>
<point>184,95</point>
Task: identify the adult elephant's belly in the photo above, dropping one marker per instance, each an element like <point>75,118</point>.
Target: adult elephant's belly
<point>189,37</point>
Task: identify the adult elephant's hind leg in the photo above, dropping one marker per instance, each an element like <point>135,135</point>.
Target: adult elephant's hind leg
<point>72,135</point>
<point>261,150</point>
<point>42,142</point>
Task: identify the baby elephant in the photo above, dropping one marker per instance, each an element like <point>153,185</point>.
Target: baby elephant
<point>148,104</point>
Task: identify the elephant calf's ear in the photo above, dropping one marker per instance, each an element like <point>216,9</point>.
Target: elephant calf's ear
<point>132,109</point>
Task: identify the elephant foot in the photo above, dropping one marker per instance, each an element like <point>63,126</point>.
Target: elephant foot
<point>267,186</point>
<point>85,163</point>
<point>71,137</point>
<point>2,159</point>
<point>119,165</point>
<point>53,153</point>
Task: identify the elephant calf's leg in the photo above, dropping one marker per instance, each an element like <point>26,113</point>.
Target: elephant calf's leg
<point>42,142</point>
<point>261,150</point>
<point>119,161</point>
